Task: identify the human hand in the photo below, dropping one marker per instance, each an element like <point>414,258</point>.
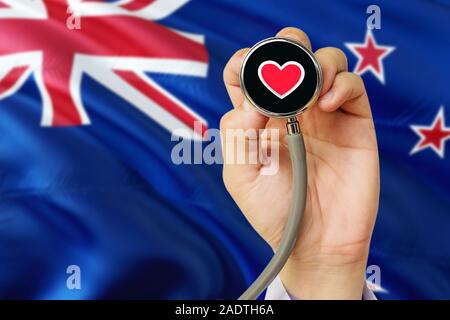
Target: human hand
<point>330,256</point>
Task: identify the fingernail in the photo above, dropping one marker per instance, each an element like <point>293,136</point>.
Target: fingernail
<point>328,96</point>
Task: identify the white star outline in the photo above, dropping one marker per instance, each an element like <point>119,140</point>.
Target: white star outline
<point>416,128</point>
<point>389,49</point>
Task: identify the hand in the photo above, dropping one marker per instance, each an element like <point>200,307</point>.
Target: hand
<point>330,256</point>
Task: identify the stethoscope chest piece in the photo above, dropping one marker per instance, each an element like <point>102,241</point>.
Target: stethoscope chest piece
<point>280,77</point>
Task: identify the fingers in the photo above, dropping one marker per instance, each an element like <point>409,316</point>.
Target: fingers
<point>232,69</point>
<point>332,61</point>
<point>231,78</point>
<point>349,93</point>
<point>239,130</point>
<point>337,90</point>
<point>341,88</point>
<point>243,119</point>
<point>295,34</point>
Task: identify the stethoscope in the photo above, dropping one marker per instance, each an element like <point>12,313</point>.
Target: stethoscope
<point>281,78</point>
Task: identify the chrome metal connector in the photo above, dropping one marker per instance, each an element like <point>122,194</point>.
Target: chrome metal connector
<point>292,126</point>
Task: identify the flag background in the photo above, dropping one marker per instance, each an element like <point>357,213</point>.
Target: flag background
<point>107,197</point>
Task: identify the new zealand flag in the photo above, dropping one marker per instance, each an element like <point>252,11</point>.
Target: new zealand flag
<point>91,91</point>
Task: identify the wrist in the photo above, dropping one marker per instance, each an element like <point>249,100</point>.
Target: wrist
<point>323,278</point>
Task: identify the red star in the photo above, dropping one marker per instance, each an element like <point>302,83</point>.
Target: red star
<point>370,56</point>
<point>433,136</point>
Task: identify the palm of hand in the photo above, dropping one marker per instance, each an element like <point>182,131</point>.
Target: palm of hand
<point>342,164</point>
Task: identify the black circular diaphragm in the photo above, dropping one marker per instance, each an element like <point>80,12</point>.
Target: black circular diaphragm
<point>280,77</point>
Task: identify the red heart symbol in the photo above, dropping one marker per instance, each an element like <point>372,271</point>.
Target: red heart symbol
<point>281,80</point>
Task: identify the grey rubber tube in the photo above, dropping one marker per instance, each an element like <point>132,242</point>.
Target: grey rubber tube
<point>299,188</point>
